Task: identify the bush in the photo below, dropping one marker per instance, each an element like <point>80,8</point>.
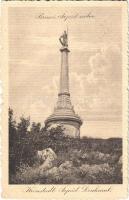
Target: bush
<point>84,160</point>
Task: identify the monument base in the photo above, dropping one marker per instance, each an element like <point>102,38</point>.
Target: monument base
<point>71,124</point>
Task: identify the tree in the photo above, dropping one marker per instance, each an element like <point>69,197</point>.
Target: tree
<point>25,144</point>
<point>22,126</point>
<point>35,132</point>
<point>12,138</point>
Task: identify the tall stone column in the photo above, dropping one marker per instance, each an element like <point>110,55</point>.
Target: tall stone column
<point>64,75</point>
<point>64,113</point>
<point>64,95</point>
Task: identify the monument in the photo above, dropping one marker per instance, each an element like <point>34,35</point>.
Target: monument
<point>64,113</point>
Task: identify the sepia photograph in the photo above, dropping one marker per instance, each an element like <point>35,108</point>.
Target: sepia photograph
<point>66,90</point>
<point>65,97</point>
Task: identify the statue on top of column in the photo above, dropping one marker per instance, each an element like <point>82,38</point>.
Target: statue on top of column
<point>64,39</point>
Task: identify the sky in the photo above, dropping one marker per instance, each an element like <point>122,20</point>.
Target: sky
<point>95,64</point>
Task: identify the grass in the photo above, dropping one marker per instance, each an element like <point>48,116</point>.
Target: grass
<point>92,161</point>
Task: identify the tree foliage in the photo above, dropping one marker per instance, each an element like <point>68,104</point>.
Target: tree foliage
<point>26,138</point>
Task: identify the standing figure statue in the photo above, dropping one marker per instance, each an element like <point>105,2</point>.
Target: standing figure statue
<point>64,39</point>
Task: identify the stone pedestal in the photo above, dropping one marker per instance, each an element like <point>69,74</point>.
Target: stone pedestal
<point>64,112</point>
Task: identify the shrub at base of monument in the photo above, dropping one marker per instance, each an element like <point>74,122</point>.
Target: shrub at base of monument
<point>77,170</point>
<point>48,156</point>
